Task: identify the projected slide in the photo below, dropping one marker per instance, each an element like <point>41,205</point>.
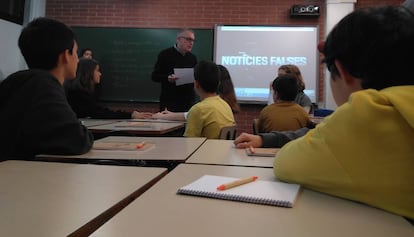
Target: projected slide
<point>252,54</point>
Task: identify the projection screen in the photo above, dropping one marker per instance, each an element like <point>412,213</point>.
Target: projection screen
<point>253,54</point>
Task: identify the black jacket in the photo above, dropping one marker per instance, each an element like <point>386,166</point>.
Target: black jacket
<point>35,118</point>
<point>85,104</point>
<point>174,98</point>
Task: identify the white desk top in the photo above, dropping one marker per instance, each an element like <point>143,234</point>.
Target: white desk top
<point>162,212</point>
<point>222,152</point>
<point>164,148</point>
<point>139,127</point>
<point>96,122</point>
<point>55,199</point>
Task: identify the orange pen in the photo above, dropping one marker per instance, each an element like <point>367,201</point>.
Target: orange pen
<point>141,145</point>
<point>252,150</point>
<point>236,183</point>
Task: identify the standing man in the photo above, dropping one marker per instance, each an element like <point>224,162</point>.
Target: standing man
<point>176,98</point>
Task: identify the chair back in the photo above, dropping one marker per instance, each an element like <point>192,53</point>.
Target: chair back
<point>228,133</point>
<point>255,126</point>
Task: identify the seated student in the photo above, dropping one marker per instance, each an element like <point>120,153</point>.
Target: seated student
<point>364,150</point>
<point>207,117</point>
<point>284,114</point>
<point>80,94</point>
<point>35,115</point>
<point>87,53</point>
<point>301,98</point>
<point>225,90</point>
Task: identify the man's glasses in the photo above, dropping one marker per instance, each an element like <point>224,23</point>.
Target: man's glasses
<point>188,39</point>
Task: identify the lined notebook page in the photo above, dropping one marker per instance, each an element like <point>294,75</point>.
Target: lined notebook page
<point>259,192</point>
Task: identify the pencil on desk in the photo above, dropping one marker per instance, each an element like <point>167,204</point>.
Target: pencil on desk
<point>141,144</point>
<point>236,183</point>
<point>252,150</point>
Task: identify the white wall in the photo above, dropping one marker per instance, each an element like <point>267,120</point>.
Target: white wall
<point>335,11</point>
<point>10,59</point>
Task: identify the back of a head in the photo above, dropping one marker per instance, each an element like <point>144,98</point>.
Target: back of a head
<point>226,85</point>
<point>42,40</point>
<point>286,87</point>
<point>207,75</point>
<point>226,89</point>
<point>293,69</point>
<point>374,45</point>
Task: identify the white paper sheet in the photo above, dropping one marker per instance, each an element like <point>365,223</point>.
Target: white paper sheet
<point>184,75</point>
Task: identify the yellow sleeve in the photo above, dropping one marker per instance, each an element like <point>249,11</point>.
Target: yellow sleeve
<point>312,160</point>
<point>194,125</point>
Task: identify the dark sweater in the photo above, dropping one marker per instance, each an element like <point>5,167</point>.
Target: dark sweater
<point>35,118</point>
<point>174,98</point>
<point>85,104</point>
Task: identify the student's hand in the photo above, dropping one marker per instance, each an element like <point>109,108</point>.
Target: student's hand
<point>172,78</point>
<point>141,115</point>
<point>246,140</point>
<point>161,115</point>
<point>166,111</point>
<point>158,115</point>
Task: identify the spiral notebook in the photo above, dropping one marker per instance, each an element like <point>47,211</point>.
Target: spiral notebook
<point>260,192</point>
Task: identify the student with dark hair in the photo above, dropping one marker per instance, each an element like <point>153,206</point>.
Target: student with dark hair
<point>86,53</point>
<point>364,150</point>
<point>301,98</point>
<point>82,99</point>
<point>35,115</point>
<point>284,114</point>
<point>206,118</point>
<point>225,91</point>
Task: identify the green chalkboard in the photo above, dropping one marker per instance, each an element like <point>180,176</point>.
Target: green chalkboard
<point>127,57</point>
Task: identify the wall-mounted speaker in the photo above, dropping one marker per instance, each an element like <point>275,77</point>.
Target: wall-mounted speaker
<point>305,11</point>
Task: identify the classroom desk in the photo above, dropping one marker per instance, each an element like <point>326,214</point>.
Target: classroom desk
<point>55,199</point>
<point>223,152</point>
<point>162,212</point>
<point>96,122</point>
<point>139,127</point>
<point>163,149</point>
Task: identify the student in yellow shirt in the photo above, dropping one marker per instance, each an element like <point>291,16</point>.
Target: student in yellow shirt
<point>206,118</point>
<point>364,151</point>
<point>225,90</point>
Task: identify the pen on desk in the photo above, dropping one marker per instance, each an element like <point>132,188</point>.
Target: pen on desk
<point>236,183</point>
<point>252,150</point>
<point>141,144</point>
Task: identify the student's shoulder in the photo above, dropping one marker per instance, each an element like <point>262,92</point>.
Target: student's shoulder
<point>32,78</point>
<point>270,107</point>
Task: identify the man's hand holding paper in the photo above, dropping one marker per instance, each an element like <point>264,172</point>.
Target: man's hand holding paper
<point>183,76</point>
